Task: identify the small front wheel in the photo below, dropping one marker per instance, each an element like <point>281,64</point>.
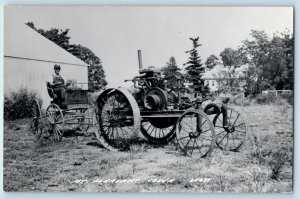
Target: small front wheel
<point>195,133</point>
<point>233,136</point>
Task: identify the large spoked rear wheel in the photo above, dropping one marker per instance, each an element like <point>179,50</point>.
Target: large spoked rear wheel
<point>195,133</point>
<point>36,120</point>
<point>118,116</point>
<point>159,130</point>
<point>233,137</point>
<point>54,123</point>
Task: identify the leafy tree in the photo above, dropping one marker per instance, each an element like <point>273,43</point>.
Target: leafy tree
<point>211,62</point>
<point>31,25</point>
<point>232,60</point>
<point>194,68</point>
<point>271,61</point>
<point>171,72</point>
<point>257,53</point>
<point>280,67</point>
<point>96,75</point>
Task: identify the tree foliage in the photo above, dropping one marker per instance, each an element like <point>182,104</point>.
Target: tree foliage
<point>171,72</point>
<point>194,67</point>
<point>211,62</point>
<point>231,79</point>
<point>271,61</point>
<point>96,75</point>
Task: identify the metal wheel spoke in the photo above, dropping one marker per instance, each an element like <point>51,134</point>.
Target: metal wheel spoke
<point>203,124</point>
<point>188,125</point>
<point>205,131</point>
<point>230,115</point>
<point>236,119</point>
<point>205,138</point>
<point>240,124</point>
<point>220,133</point>
<point>199,148</point>
<point>193,146</point>
<point>240,131</point>
<point>183,137</point>
<point>223,137</point>
<point>188,142</point>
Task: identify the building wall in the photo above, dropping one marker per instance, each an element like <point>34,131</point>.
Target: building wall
<point>212,84</point>
<point>22,73</point>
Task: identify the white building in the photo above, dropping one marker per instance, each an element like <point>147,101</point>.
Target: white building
<point>213,77</point>
<point>29,59</point>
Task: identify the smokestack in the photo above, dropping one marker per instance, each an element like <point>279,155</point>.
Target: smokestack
<point>140,59</point>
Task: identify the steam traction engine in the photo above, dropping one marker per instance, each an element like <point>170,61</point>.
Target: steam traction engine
<point>162,115</point>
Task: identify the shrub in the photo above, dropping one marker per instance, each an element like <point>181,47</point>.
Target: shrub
<point>19,104</point>
<point>240,100</point>
<point>266,153</point>
<point>265,98</point>
<point>288,96</point>
<point>276,162</point>
<point>271,98</point>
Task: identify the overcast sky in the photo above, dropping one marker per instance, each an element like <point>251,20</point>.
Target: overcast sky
<point>116,33</point>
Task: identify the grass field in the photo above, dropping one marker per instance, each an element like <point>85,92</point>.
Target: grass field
<point>79,163</point>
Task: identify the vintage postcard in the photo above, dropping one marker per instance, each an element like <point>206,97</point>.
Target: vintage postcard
<point>148,99</point>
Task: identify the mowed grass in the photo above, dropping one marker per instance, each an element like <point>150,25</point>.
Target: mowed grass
<point>77,163</point>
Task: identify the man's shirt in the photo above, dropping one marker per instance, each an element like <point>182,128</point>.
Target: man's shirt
<point>57,80</point>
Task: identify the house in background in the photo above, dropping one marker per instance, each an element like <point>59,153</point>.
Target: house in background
<point>213,77</point>
<point>29,59</point>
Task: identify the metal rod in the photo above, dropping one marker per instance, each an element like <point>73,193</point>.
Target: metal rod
<point>140,59</point>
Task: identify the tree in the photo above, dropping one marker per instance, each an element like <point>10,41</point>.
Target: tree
<point>96,75</point>
<point>232,60</point>
<point>171,72</point>
<point>211,62</point>
<point>280,67</point>
<point>257,53</point>
<point>194,68</point>
<point>271,61</point>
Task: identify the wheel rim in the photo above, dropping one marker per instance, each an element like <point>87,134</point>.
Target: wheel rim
<point>233,137</point>
<point>158,134</point>
<point>87,119</point>
<point>119,119</point>
<point>36,120</point>
<point>193,140</point>
<point>54,124</point>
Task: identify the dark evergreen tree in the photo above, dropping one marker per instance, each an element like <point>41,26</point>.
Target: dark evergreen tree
<point>172,72</point>
<point>194,68</point>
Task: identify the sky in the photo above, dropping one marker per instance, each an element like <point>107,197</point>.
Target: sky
<point>116,33</point>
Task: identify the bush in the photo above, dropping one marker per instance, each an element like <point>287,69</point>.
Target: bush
<point>265,98</point>
<point>240,100</point>
<point>271,98</point>
<point>289,97</point>
<point>266,153</point>
<point>19,104</point>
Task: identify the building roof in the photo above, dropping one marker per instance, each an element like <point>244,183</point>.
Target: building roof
<point>22,42</point>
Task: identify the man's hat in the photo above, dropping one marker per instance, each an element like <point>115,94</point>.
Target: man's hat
<point>56,66</point>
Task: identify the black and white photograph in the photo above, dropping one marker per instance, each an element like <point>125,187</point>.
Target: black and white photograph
<point>148,99</point>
